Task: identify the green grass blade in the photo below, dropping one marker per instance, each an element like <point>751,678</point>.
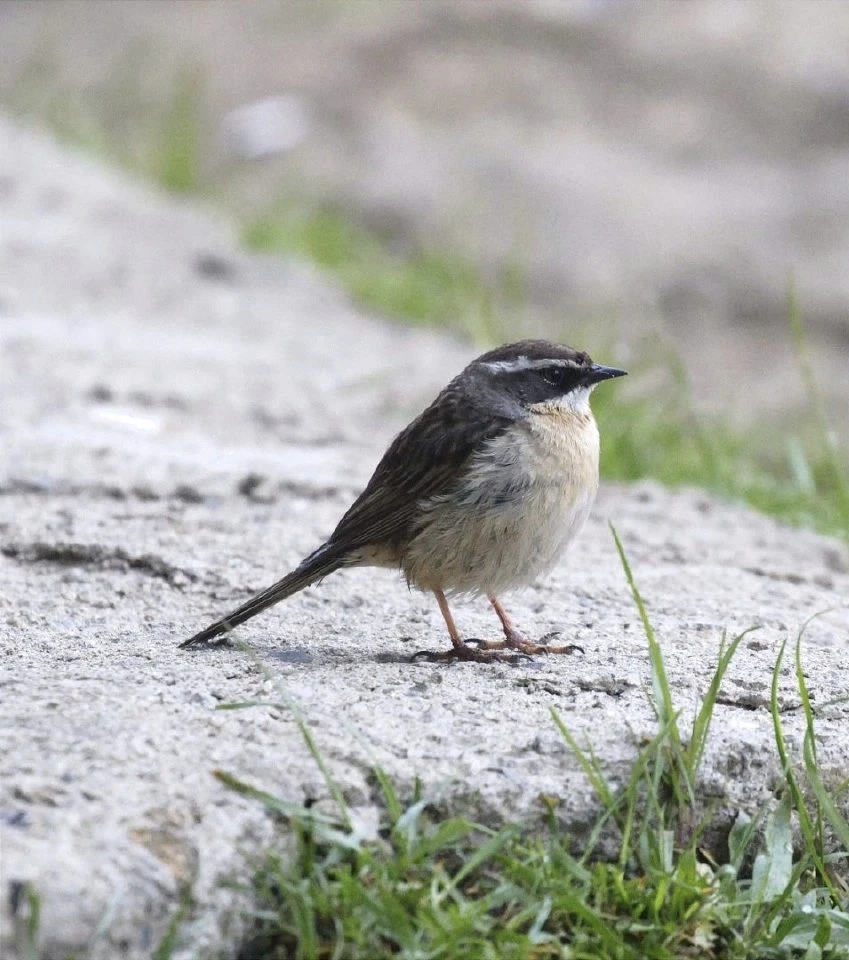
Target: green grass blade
<point>660,682</point>
<point>290,811</point>
<point>390,795</point>
<point>835,465</point>
<point>701,725</point>
<point>825,802</point>
<point>485,853</point>
<point>597,781</point>
<point>805,822</point>
<point>176,161</point>
<point>168,944</point>
<point>773,868</point>
<point>286,702</point>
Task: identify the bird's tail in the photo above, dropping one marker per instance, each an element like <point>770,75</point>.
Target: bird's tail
<point>317,565</point>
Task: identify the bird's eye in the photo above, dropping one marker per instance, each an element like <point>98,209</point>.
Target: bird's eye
<point>553,375</point>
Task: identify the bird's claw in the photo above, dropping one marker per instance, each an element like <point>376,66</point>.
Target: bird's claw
<point>480,644</point>
<point>467,654</point>
<point>541,647</point>
<point>514,649</point>
<point>516,641</point>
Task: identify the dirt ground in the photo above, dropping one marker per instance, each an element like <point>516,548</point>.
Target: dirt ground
<point>179,425</point>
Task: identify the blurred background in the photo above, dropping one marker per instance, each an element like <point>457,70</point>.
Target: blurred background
<point>663,183</point>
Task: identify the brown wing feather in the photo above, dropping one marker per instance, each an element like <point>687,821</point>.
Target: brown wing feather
<point>422,461</point>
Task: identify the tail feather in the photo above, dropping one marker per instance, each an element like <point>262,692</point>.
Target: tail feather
<point>314,567</point>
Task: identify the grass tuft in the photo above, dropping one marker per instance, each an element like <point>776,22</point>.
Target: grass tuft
<point>24,907</point>
<point>800,478</point>
<point>176,149</point>
<point>423,287</point>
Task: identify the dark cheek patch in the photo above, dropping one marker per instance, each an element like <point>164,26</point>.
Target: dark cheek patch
<point>533,388</point>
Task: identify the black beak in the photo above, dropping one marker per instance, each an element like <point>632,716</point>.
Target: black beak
<point>597,373</point>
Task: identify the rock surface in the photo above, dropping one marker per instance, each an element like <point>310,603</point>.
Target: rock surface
<point>179,425</point>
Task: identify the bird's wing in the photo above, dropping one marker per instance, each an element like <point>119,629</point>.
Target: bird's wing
<point>423,461</point>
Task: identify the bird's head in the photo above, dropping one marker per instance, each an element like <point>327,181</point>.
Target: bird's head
<point>538,374</point>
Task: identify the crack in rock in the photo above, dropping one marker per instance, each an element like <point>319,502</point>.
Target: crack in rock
<point>253,487</point>
<point>756,701</point>
<point>49,487</point>
<point>95,555</point>
<point>795,579</point>
<point>256,488</point>
<point>611,687</point>
<point>781,577</point>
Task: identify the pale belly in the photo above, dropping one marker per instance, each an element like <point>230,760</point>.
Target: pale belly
<point>513,516</point>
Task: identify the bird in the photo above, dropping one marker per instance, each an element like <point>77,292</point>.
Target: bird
<point>480,494</point>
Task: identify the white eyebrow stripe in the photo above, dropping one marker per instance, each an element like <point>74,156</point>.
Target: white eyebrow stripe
<point>524,363</point>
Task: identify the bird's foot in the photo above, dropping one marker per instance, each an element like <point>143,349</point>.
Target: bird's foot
<point>483,653</point>
<point>519,642</point>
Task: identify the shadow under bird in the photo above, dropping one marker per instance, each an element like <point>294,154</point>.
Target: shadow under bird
<point>480,494</point>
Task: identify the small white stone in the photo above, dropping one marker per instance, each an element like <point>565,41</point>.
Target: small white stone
<point>265,127</point>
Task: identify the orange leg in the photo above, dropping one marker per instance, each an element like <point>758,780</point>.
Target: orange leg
<point>510,632</point>
<point>459,649</point>
<point>516,641</point>
<point>444,609</point>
